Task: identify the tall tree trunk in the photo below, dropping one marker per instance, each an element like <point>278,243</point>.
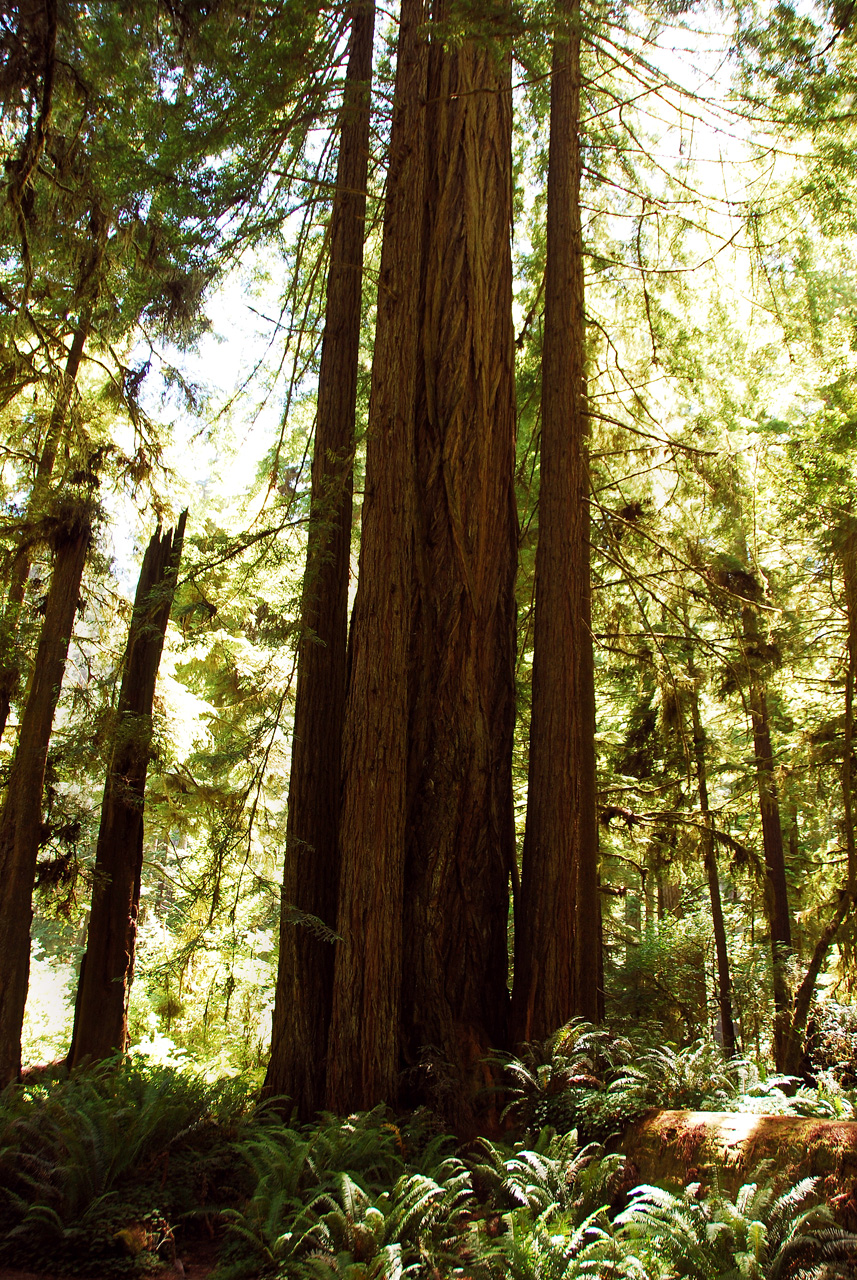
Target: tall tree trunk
<point>557,941</point>
<point>9,671</point>
<point>21,814</point>
<point>304,990</point>
<point>460,829</point>
<point>776,889</point>
<point>363,1058</point>
<point>848,560</point>
<point>107,969</point>
<point>709,857</point>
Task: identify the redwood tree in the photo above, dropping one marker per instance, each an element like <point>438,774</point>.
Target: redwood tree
<point>363,1057</point>
<point>69,528</point>
<point>557,939</point>
<point>460,846</point>
<point>426,829</point>
<point>107,969</point>
<point>311,873</point>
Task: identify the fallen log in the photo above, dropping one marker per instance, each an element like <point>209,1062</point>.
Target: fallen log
<point>689,1146</point>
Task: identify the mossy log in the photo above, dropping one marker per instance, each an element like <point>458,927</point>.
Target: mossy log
<point>688,1146</point>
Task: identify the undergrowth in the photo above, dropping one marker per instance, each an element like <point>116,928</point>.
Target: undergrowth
<point>103,1165</point>
<point>110,1171</point>
<point>587,1080</point>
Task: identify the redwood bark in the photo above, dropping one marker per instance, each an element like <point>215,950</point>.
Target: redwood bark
<point>107,969</point>
<point>363,1058</point>
<point>304,991</point>
<point>557,939</point>
<point>776,888</point>
<point>9,672</point>
<point>460,829</point>
<point>21,814</point>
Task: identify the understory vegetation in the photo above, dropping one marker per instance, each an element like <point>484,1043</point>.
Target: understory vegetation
<point>127,1167</point>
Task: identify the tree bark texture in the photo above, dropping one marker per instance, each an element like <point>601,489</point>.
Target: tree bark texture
<point>362,1059</point>
<point>9,671</point>
<point>107,969</point>
<point>557,937</point>
<point>776,888</point>
<point>460,828</point>
<point>21,814</point>
<point>311,874</point>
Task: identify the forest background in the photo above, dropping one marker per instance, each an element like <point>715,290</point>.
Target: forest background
<point>162,159</point>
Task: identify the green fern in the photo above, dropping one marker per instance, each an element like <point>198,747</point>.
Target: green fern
<point>105,1147</point>
<point>581,1078</point>
<point>758,1235</point>
<point>697,1076</point>
<point>551,1178</point>
<point>588,1250</point>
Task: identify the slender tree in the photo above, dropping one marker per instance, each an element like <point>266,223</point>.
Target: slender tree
<point>107,968</point>
<point>20,568</point>
<point>304,989</point>
<point>363,1047</point>
<point>709,858</point>
<point>776,886</point>
<point>847,556</point>
<point>790,1044</point>
<point>69,528</point>
<point>557,938</point>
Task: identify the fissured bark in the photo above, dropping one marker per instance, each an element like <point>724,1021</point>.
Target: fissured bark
<point>460,828</point>
<point>304,990</point>
<point>557,942</point>
<point>363,1045</point>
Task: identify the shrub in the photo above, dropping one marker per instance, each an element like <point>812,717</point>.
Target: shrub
<point>103,1164</point>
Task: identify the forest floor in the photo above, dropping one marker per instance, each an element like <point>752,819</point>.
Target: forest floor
<point>672,1147</point>
<point>192,1269</point>
<point>197,1262</point>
